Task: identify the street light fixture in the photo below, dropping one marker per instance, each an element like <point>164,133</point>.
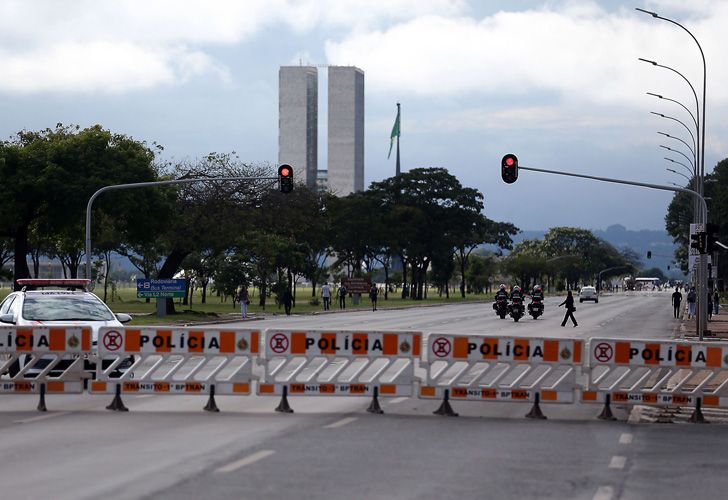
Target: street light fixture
<point>695,121</point>
<point>686,144</point>
<point>679,173</point>
<point>702,55</point>
<point>690,170</point>
<point>681,123</point>
<point>678,152</point>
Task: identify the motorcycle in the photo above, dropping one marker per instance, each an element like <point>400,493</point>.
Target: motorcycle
<point>516,308</point>
<point>535,307</point>
<point>500,306</point>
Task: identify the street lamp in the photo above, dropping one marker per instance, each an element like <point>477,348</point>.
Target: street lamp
<point>686,145</point>
<point>680,122</point>
<point>690,170</point>
<point>695,121</point>
<point>702,55</point>
<point>679,173</point>
<point>678,152</point>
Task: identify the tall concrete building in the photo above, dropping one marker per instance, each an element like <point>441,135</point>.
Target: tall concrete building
<point>298,121</point>
<point>346,130</point>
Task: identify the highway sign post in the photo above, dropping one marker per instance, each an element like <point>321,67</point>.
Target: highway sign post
<point>161,288</point>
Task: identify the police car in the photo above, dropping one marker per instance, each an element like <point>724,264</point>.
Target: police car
<point>52,302</point>
<point>67,302</point>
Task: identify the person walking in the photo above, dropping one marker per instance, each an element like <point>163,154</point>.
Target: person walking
<point>342,297</point>
<point>716,302</point>
<point>710,305</point>
<point>691,302</point>
<point>287,301</point>
<point>373,293</point>
<point>326,295</point>
<point>676,300</point>
<point>569,302</point>
<point>244,300</point>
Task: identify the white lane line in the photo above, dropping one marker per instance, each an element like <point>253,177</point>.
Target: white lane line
<point>626,438</point>
<point>42,417</point>
<point>341,423</point>
<point>250,459</point>
<point>617,462</point>
<point>398,400</point>
<point>604,493</point>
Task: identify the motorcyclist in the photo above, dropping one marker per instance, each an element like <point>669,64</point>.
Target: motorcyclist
<point>516,293</point>
<point>537,293</point>
<point>501,293</point>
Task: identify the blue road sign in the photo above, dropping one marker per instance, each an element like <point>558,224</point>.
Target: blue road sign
<point>161,288</point>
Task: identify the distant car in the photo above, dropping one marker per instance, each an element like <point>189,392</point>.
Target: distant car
<point>66,303</point>
<point>588,293</point>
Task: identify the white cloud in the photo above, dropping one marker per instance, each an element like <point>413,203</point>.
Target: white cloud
<point>577,50</point>
<point>119,45</point>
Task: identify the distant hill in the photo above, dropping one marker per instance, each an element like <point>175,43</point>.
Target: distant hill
<point>658,242</point>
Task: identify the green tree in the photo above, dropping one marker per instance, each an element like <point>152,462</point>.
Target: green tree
<point>48,177</point>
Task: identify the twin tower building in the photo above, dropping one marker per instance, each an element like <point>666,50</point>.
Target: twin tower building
<point>298,127</point>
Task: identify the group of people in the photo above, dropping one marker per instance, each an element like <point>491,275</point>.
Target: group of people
<point>713,302</point>
<point>342,292</point>
<point>537,293</point>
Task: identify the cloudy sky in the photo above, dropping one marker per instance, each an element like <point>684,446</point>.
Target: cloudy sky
<point>558,83</point>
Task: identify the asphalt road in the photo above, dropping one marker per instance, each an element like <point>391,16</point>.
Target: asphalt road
<point>166,447</point>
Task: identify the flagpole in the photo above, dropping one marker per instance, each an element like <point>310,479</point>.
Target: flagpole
<point>400,127</point>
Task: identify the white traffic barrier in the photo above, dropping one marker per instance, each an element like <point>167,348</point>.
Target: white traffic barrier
<point>168,360</point>
<point>656,372</point>
<point>339,363</point>
<point>489,368</point>
<point>42,360</point>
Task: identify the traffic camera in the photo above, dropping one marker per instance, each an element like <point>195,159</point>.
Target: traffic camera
<point>509,168</point>
<point>285,178</point>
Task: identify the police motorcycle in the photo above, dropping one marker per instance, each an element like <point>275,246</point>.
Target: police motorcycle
<point>536,306</point>
<point>500,306</point>
<point>516,308</point>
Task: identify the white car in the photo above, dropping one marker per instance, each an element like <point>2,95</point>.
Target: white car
<point>67,303</point>
<point>588,293</point>
<point>63,305</point>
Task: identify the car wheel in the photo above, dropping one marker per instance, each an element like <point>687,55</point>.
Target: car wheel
<point>581,301</point>
<point>596,301</point>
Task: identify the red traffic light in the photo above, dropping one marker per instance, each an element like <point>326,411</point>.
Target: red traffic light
<point>285,171</point>
<point>285,178</point>
<point>509,168</point>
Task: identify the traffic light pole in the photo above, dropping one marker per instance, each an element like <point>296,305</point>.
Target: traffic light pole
<point>703,262</point>
<point>148,184</point>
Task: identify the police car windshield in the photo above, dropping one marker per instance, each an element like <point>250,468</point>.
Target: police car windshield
<point>64,307</point>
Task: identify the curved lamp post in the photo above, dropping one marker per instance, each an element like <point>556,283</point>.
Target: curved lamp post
<point>690,170</point>
<point>681,123</point>
<point>695,121</point>
<point>679,173</point>
<point>705,71</point>
<point>686,145</point>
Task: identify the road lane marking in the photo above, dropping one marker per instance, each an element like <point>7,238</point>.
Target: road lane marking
<point>625,438</point>
<point>42,417</point>
<point>398,400</point>
<point>617,462</point>
<point>142,396</point>
<point>250,459</point>
<point>604,493</point>
<point>341,423</point>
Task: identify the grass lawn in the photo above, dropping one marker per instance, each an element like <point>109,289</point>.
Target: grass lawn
<point>214,308</point>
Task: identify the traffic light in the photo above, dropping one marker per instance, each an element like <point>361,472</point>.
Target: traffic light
<point>698,242</point>
<point>285,178</point>
<point>649,254</point>
<point>509,168</point>
<point>710,237</point>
